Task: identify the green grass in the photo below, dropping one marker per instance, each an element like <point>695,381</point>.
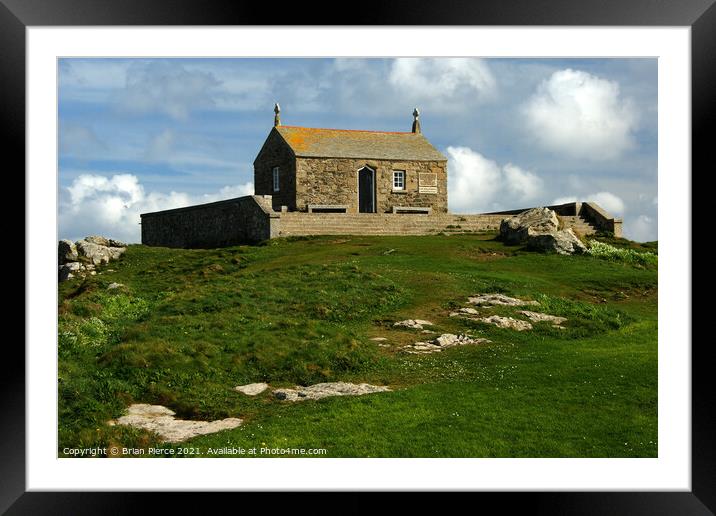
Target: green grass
<point>189,325</point>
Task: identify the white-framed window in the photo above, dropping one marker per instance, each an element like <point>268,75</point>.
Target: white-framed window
<point>275,179</point>
<point>398,179</point>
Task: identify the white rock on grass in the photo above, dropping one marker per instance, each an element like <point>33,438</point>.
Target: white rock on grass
<point>415,324</point>
<point>96,239</point>
<point>86,254</point>
<point>92,250</point>
<point>160,420</point>
<point>537,221</point>
<point>499,299</point>
<point>464,312</point>
<point>113,286</point>
<point>325,390</point>
<point>94,253</point>
<point>444,341</point>
<point>507,322</point>
<point>378,339</point>
<point>68,270</point>
<point>66,252</point>
<point>538,229</point>
<point>536,317</point>
<point>252,389</point>
<point>564,241</point>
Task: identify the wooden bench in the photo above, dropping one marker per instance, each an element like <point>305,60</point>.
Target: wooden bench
<point>327,208</point>
<point>412,209</point>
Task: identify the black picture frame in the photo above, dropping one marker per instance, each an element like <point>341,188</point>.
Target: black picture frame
<point>700,15</point>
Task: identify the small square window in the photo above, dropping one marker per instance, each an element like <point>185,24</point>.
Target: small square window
<point>275,179</point>
<point>398,179</point>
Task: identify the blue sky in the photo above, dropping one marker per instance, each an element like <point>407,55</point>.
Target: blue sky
<point>140,135</point>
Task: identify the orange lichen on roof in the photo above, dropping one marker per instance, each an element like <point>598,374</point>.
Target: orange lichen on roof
<point>344,130</point>
<point>353,143</point>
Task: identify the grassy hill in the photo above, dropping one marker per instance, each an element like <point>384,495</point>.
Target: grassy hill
<point>189,325</point>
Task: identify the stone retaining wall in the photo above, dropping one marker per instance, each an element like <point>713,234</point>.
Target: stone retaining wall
<point>241,220</point>
<point>251,219</point>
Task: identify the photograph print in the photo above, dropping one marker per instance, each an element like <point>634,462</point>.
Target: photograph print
<point>357,257</point>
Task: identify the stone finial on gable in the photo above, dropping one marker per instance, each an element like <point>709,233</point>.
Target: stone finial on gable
<point>277,117</point>
<point>416,121</point>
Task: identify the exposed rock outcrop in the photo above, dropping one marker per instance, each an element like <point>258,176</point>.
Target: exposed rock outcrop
<point>324,390</point>
<point>415,324</point>
<point>444,341</point>
<point>251,389</point>
<point>66,252</point>
<point>536,317</point>
<point>497,299</point>
<point>106,242</point>
<point>462,312</point>
<point>560,242</point>
<point>81,257</point>
<point>98,254</point>
<point>507,322</point>
<point>159,419</point>
<point>538,229</point>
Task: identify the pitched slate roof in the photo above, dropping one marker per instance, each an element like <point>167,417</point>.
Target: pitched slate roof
<point>347,143</point>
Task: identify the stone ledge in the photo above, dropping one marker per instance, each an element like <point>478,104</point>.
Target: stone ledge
<point>312,207</point>
<point>412,209</point>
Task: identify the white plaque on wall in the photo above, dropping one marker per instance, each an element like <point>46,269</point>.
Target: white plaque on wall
<point>427,183</point>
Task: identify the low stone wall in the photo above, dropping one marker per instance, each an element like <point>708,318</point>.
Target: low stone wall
<point>601,219</point>
<point>566,209</point>
<point>298,224</point>
<point>242,220</point>
<point>251,219</point>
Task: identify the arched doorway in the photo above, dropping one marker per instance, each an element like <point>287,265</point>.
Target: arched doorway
<point>366,190</point>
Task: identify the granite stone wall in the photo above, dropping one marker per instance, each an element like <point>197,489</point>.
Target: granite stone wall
<point>243,220</point>
<point>334,181</point>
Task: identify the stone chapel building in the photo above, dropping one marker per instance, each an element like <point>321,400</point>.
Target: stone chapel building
<point>310,181</point>
<point>351,171</point>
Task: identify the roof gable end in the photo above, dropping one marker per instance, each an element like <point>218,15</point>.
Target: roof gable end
<point>273,136</point>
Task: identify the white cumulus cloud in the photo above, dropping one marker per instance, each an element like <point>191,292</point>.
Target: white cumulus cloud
<point>579,115</point>
<point>442,79</point>
<point>610,202</point>
<point>641,229</point>
<point>110,206</point>
<point>477,184</point>
<point>523,184</point>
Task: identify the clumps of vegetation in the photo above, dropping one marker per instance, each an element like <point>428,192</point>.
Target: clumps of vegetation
<point>584,319</point>
<point>615,254</point>
<point>97,320</point>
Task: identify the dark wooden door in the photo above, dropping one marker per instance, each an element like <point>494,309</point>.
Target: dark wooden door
<point>366,190</point>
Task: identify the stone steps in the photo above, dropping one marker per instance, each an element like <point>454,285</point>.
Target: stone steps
<point>383,224</point>
<point>578,224</point>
